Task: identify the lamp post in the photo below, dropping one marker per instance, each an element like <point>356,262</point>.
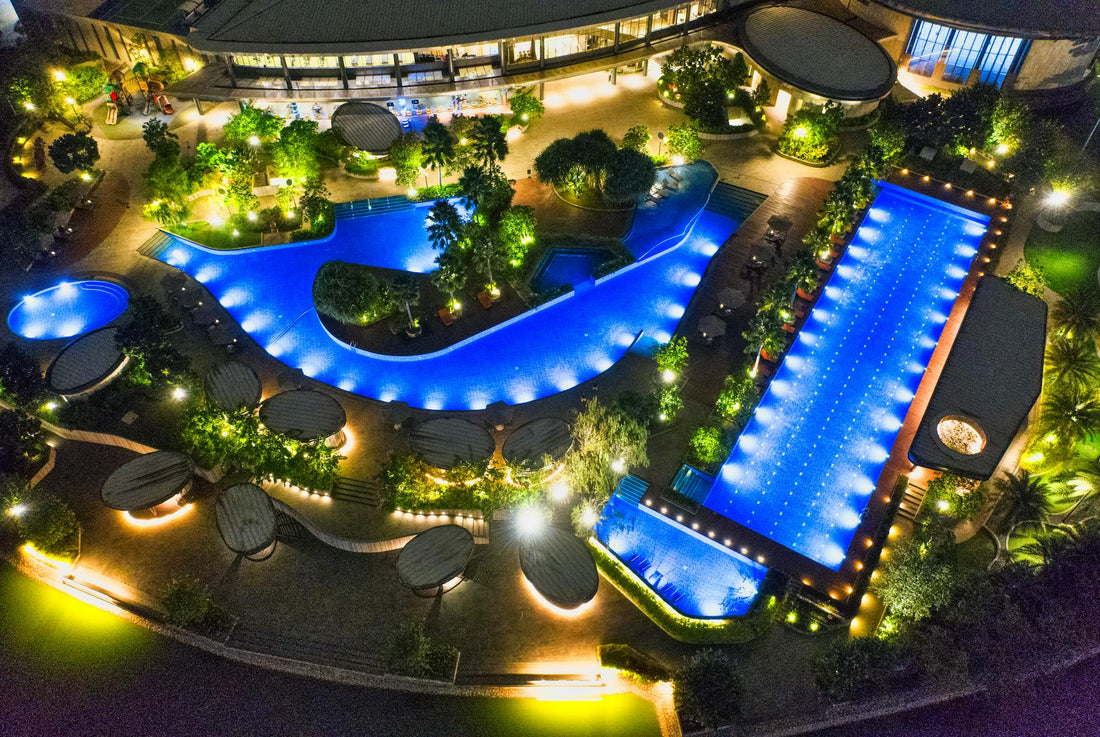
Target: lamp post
<point>660,141</point>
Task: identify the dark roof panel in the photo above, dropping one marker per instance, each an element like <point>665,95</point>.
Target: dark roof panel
<point>1029,18</point>
<point>993,377</point>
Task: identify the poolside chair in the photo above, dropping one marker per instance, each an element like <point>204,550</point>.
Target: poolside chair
<point>674,175</point>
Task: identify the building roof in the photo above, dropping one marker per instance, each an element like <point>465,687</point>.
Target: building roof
<point>449,441</point>
<point>537,438</point>
<point>303,414</point>
<point>435,556</point>
<point>817,54</point>
<point>1030,18</point>
<point>991,379</point>
<point>365,26</point>
<point>147,481</point>
<point>246,519</point>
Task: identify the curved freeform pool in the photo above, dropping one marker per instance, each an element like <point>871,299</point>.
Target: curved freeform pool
<point>68,309</point>
<point>548,349</point>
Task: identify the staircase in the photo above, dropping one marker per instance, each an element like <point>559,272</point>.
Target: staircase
<point>376,206</point>
<point>911,501</point>
<point>356,491</point>
<point>156,245</point>
<point>632,489</point>
<point>734,202</point>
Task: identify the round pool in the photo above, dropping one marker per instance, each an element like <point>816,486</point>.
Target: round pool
<point>68,309</point>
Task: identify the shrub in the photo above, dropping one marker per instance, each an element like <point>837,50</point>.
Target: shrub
<point>84,82</point>
<point>861,667</point>
<point>708,689</point>
<point>672,356</point>
<point>637,138</point>
<point>437,192</point>
<point>626,658</point>
<point>411,652</point>
<point>74,151</point>
<point>526,108</point>
<point>362,164</point>
<point>252,122</point>
<point>351,294</point>
<point>20,377</point>
<point>46,522</point>
<point>22,447</point>
<point>669,402</point>
<point>708,445</point>
<point>811,134</point>
<point>187,602</point>
<point>683,140</point>
<point>1028,278</point>
<point>737,398</point>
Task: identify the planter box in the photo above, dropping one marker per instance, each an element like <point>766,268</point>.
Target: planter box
<point>809,297</point>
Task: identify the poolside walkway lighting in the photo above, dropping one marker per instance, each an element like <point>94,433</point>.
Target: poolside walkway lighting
<point>530,522</point>
<point>17,510</point>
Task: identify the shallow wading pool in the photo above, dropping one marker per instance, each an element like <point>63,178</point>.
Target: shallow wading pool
<point>68,309</point>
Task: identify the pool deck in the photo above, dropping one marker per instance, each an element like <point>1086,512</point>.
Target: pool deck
<point>845,581</point>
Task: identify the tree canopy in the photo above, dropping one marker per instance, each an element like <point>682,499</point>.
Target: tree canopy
<point>74,151</point>
<point>605,439</point>
<point>350,293</point>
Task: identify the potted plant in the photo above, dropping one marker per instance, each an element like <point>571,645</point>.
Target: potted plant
<point>803,274</point>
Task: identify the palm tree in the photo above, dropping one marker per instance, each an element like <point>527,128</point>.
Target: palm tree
<point>438,147</point>
<point>486,254</point>
<point>1077,315</point>
<point>450,277</point>
<point>1051,544</point>
<point>1070,415</point>
<point>445,225</point>
<point>1026,493</point>
<point>1072,363</point>
<point>488,140</point>
<point>406,291</point>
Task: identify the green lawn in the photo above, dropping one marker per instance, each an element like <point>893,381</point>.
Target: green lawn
<point>1071,256</point>
<point>221,238</point>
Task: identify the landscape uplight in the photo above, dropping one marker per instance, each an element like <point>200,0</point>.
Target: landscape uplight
<point>589,517</point>
<point>530,522</point>
<point>801,131</point>
<point>1058,198</point>
<point>17,510</point>
<point>216,221</point>
<point>190,64</point>
<point>252,217</point>
<point>1002,149</point>
<point>618,465</point>
<point>253,140</point>
<point>179,393</point>
<point>559,491</point>
<point>70,100</point>
<point>668,376</point>
<point>28,105</point>
<point>59,75</point>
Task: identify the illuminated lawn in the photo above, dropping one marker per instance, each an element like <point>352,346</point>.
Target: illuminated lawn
<point>1070,257</point>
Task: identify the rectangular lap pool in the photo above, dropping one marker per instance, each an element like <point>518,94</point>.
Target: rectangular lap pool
<point>694,574</point>
<point>805,466</point>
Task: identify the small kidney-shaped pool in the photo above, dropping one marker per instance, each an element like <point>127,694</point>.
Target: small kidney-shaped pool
<point>68,309</point>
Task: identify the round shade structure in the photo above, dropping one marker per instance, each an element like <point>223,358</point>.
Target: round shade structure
<point>85,363</point>
<point>368,127</point>
<point>447,442</point>
<point>246,519</point>
<point>961,434</point>
<point>68,309</point>
<point>560,567</point>
<point>817,54</point>
<point>147,481</point>
<point>531,442</point>
<point>232,386</point>
<point>303,414</point>
<point>435,556</point>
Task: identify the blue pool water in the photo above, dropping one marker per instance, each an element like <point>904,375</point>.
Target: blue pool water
<point>563,267</point>
<point>805,466</point>
<point>68,309</point>
<point>541,352</point>
<point>694,574</point>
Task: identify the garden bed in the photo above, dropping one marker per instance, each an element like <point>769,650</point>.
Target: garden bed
<point>1071,257</point>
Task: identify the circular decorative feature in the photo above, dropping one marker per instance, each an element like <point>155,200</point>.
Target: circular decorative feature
<point>817,54</point>
<point>85,363</point>
<point>560,567</point>
<point>246,519</point>
<point>435,556</point>
<point>961,434</point>
<point>303,414</point>
<point>232,386</point>
<point>147,481</point>
<point>68,309</point>
<point>447,442</point>
<point>368,127</point>
<point>546,436</point>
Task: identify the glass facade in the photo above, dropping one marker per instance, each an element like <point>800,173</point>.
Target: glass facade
<point>523,51</point>
<point>580,42</point>
<point>633,30</point>
<point>475,50</point>
<point>995,57</point>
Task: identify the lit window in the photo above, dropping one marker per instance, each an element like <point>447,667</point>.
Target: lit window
<point>962,55</point>
<point>1002,55</point>
<point>926,45</point>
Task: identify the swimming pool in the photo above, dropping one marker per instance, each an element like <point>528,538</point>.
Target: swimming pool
<point>68,309</point>
<point>546,350</point>
<point>805,466</point>
<point>567,267</point>
<point>696,575</point>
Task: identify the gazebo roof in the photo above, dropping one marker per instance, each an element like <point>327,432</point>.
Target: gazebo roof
<point>435,556</point>
<point>303,414</point>
<point>531,441</point>
<point>446,441</point>
<point>85,362</point>
<point>245,518</point>
<point>366,126</point>
<point>147,481</point>
<point>232,385</point>
<point>560,567</point>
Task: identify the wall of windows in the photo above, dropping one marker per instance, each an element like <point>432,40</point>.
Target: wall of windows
<point>475,50</point>
<point>583,41</point>
<point>995,57</point>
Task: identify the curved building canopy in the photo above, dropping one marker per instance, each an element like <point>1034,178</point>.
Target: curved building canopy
<point>367,26</point>
<point>1029,18</point>
<point>817,54</point>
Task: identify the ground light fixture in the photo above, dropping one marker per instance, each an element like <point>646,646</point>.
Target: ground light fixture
<point>801,131</point>
<point>17,510</point>
<point>530,522</point>
<point>59,75</point>
<point>589,517</point>
<point>559,491</point>
<point>618,465</point>
<point>253,140</point>
<point>668,376</point>
<point>1057,198</point>
<point>179,393</point>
